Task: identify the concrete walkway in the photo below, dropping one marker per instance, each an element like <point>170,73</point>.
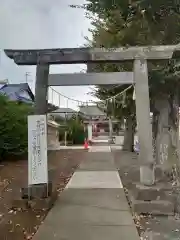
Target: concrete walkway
<point>93,206</point>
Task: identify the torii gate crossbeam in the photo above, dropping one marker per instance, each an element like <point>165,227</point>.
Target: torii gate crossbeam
<point>82,79</point>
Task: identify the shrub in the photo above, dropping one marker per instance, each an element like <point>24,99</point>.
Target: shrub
<point>13,128</point>
<point>75,131</point>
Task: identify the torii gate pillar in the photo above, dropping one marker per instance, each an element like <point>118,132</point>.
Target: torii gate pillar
<point>143,122</point>
<point>41,89</point>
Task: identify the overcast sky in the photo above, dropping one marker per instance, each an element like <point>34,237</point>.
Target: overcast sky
<point>42,24</point>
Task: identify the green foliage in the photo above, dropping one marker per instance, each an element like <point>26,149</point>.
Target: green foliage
<point>136,23</point>
<point>122,106</point>
<point>13,128</point>
<point>75,130</point>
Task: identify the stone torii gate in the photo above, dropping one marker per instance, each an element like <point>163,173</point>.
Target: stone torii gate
<point>139,55</point>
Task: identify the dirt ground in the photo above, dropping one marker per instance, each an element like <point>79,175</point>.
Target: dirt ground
<point>149,227</point>
<point>19,225</point>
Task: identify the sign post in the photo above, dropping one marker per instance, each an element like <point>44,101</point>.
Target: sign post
<point>89,132</point>
<point>37,150</point>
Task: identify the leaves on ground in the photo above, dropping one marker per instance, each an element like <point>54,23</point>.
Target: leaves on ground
<point>23,224</point>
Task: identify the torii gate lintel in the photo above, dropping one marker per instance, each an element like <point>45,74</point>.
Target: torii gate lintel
<point>90,55</point>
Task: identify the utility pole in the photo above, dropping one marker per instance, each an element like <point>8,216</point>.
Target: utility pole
<point>27,74</point>
<point>110,128</point>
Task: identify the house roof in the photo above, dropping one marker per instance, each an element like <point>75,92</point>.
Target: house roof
<point>2,85</point>
<point>63,113</point>
<point>92,110</point>
<point>13,90</point>
<point>64,110</point>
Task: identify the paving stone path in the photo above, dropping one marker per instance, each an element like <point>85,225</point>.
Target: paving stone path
<point>93,205</point>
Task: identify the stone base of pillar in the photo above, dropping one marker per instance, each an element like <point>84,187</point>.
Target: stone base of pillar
<point>154,200</point>
<point>37,191</point>
<point>147,176</point>
<point>46,203</point>
<point>154,208</point>
<point>35,203</point>
<point>149,193</point>
<point>36,197</point>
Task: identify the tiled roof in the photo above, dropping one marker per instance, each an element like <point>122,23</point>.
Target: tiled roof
<point>63,113</point>
<point>2,85</point>
<point>64,110</point>
<point>91,111</point>
<point>12,90</point>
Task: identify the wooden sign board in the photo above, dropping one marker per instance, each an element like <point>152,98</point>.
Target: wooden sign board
<point>37,149</point>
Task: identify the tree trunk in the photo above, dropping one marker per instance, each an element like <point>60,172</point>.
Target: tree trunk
<point>129,135</point>
<point>166,132</point>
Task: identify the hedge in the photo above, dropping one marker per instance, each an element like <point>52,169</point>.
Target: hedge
<point>13,128</point>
